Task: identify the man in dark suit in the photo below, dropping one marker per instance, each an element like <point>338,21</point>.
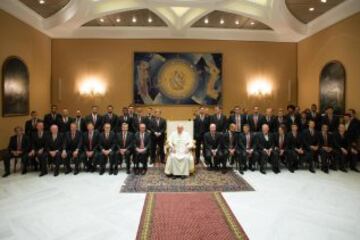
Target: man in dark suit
<point>125,146</point>
<point>95,118</point>
<point>280,148</point>
<point>132,115</point>
<point>142,149</point>
<point>111,118</point>
<point>30,125</point>
<point>18,148</point>
<point>352,125</point>
<point>247,148</point>
<point>304,121</point>
<point>52,118</point>
<point>238,119</point>
<point>330,119</point>
<point>73,147</point>
<point>149,115</point>
<point>158,133</point>
<point>315,116</point>
<point>124,118</point>
<point>107,149</point>
<point>269,119</point>
<point>213,149</point>
<point>138,119</point>
<point>292,117</point>
<point>326,143</point>
<point>219,119</point>
<point>201,126</point>
<point>80,122</point>
<point>230,145</point>
<point>265,147</point>
<point>311,144</point>
<point>279,120</point>
<point>91,147</point>
<point>37,150</point>
<point>294,148</point>
<point>65,121</point>
<point>342,147</point>
<point>54,145</point>
<point>255,120</point>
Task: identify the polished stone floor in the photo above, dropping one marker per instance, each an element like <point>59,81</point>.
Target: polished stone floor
<point>89,206</point>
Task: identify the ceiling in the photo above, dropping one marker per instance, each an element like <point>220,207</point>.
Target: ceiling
<point>251,20</point>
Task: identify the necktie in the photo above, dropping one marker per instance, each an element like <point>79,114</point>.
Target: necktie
<point>312,132</point>
<point>124,139</point>
<point>231,139</point>
<point>281,142</point>
<point>142,140</point>
<point>125,118</point>
<point>18,144</point>
<point>73,136</point>
<point>218,116</point>
<point>94,118</point>
<point>325,139</point>
<point>34,122</point>
<point>238,123</point>
<point>90,141</point>
<point>107,136</point>
<point>247,141</point>
<point>158,122</point>
<point>255,120</point>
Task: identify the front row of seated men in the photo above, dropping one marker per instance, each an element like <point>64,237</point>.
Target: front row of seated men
<point>91,148</point>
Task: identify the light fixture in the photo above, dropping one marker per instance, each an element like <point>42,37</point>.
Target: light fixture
<point>102,20</point>
<point>323,1</point>
<point>259,87</point>
<point>237,22</point>
<point>92,86</point>
<point>118,20</point>
<point>311,9</point>
<point>222,21</point>
<point>150,20</point>
<point>252,23</point>
<point>134,19</point>
<point>206,20</point>
<point>42,1</point>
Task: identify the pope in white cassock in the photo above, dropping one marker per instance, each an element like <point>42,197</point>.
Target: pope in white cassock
<point>180,161</point>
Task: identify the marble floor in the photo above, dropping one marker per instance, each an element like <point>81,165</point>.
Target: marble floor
<point>88,206</point>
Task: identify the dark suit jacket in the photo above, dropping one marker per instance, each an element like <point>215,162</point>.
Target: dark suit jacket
<point>242,141</point>
<point>211,143</point>
<point>277,141</point>
<point>341,141</point>
<point>124,119</point>
<point>113,120</point>
<point>136,123</point>
<point>72,144</point>
<point>65,126</point>
<point>147,141</point>
<point>263,144</point>
<point>201,126</point>
<point>37,142</point>
<point>221,123</point>
<point>316,117</point>
<point>270,122</point>
<point>29,128</point>
<point>129,141</point>
<point>232,119</point>
<point>293,142</point>
<point>50,120</point>
<point>226,140</point>
<point>98,125</point>
<point>107,143</point>
<point>25,144</point>
<point>330,140</point>
<point>353,131</point>
<point>94,143</point>
<point>290,121</point>
<point>82,124</point>
<point>310,140</point>
<point>154,127</point>
<point>278,122</point>
<point>54,144</point>
<point>255,127</point>
<point>333,124</point>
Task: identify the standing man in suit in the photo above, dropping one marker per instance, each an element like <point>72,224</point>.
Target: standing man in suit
<point>280,119</point>
<point>54,148</point>
<point>132,115</point>
<point>292,117</point>
<point>65,121</point>
<point>52,118</point>
<point>255,120</point>
<point>330,119</point>
<point>315,116</point>
<point>326,143</point>
<point>37,145</point>
<point>95,118</point>
<point>238,119</point>
<point>158,133</point>
<point>247,150</point>
<point>30,125</point>
<point>111,118</point>
<point>18,148</point>
<point>230,145</point>
<point>265,148</point>
<point>142,149</point>
<point>125,146</point>
<point>213,149</point>
<point>341,147</point>
<point>219,119</point>
<point>201,126</point>
<point>269,119</point>
<point>311,144</point>
<point>80,122</point>
<point>107,149</point>
<point>294,148</point>
<point>124,118</point>
<point>149,115</point>
<point>91,145</point>
<point>352,126</point>
<point>138,119</point>
<point>73,147</point>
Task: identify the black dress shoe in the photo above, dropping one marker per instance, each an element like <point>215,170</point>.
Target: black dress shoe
<point>76,172</point>
<point>355,169</point>
<point>143,172</point>
<point>5,175</point>
<point>183,177</point>
<point>252,168</point>
<point>223,171</point>
<point>115,172</point>
<point>312,170</point>
<point>262,171</point>
<point>42,174</point>
<point>68,171</point>
<point>136,172</point>
<point>128,171</point>
<point>325,170</point>
<point>111,172</point>
<point>343,170</point>
<point>102,171</point>
<point>241,171</point>
<point>56,173</point>
<point>23,172</point>
<point>174,177</point>
<point>291,170</point>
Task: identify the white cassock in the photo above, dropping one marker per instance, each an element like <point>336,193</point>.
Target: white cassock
<point>180,161</point>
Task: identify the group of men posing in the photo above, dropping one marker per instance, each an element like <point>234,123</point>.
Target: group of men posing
<point>291,138</point>
<point>93,140</point>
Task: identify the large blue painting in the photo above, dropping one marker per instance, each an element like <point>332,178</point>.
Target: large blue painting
<point>177,78</point>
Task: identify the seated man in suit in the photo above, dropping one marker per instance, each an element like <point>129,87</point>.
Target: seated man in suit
<point>30,125</point>
<point>54,145</point>
<point>142,149</point>
<point>52,118</point>
<point>247,148</point>
<point>342,148</point>
<point>158,133</point>
<point>125,144</point>
<point>326,143</point>
<point>37,152</point>
<point>265,148</point>
<point>230,145</point>
<point>294,148</point>
<point>73,147</point>
<point>280,150</point>
<point>18,148</point>
<point>311,144</point>
<point>213,149</point>
<point>90,144</point>
<point>107,148</point>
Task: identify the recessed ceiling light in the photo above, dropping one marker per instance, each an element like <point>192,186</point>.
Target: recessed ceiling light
<point>237,22</point>
<point>252,23</point>
<point>102,20</point>
<point>134,20</point>
<point>323,1</point>
<point>150,20</point>
<point>311,9</point>
<point>42,1</point>
<point>222,21</point>
<point>206,20</point>
<point>118,20</point>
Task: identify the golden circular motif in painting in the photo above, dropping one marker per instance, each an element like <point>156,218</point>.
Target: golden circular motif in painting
<point>177,79</point>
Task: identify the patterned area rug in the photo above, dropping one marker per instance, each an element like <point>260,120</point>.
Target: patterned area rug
<point>202,180</point>
<point>188,216</point>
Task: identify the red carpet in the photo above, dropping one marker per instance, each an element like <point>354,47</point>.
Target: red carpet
<point>188,216</point>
